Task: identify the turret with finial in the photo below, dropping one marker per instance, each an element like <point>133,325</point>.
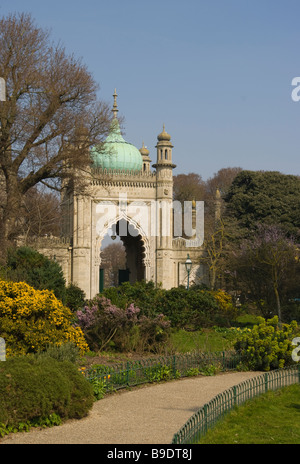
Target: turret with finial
<point>115,106</point>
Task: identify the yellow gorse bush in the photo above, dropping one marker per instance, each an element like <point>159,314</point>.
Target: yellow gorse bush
<point>32,319</point>
<point>224,300</point>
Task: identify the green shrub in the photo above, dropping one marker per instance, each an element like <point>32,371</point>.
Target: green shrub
<point>192,372</point>
<point>267,346</point>
<point>65,352</point>
<point>27,265</point>
<point>194,308</point>
<point>32,389</point>
<point>144,295</point>
<point>75,297</point>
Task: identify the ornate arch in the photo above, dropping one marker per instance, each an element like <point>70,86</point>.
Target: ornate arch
<point>123,216</point>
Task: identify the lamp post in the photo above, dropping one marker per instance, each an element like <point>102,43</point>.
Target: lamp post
<point>188,267</point>
<point>114,232</point>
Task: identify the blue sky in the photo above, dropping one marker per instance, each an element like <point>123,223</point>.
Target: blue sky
<point>217,73</point>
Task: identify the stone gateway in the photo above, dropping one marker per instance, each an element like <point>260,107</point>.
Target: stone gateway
<point>131,199</point>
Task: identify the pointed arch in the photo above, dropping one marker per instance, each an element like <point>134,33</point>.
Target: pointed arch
<point>137,245</point>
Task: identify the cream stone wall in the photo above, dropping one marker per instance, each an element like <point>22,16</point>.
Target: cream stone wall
<point>144,200</point>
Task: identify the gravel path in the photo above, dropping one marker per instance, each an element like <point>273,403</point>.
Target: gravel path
<point>148,415</point>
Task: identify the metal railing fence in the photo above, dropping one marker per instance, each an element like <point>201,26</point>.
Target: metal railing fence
<point>209,414</point>
<point>134,373</point>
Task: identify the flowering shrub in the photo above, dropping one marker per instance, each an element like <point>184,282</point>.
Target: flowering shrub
<point>225,304</point>
<point>267,346</point>
<point>193,309</point>
<point>104,323</point>
<point>30,320</point>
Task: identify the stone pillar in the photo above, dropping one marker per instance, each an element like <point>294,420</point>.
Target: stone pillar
<point>164,206</point>
<point>82,246</point>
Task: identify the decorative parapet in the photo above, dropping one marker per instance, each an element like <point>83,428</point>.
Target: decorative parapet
<point>125,178</point>
<point>47,241</point>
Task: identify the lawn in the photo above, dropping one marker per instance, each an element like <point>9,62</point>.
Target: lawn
<point>272,418</point>
<point>209,340</point>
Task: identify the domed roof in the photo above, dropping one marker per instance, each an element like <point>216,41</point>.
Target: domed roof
<point>144,151</point>
<point>164,136</point>
<point>117,154</point>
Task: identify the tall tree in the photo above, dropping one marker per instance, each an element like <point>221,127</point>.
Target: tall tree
<point>214,245</point>
<point>263,267</point>
<point>50,118</point>
<point>258,197</point>
<point>41,214</point>
<point>188,187</point>
<point>220,181</point>
<point>113,258</point>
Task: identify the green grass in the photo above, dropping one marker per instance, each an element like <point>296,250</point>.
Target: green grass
<point>272,418</point>
<point>209,340</point>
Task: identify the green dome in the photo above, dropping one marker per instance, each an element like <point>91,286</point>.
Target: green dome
<point>117,154</point>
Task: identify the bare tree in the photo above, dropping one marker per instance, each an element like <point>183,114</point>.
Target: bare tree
<point>50,118</point>
<point>214,258</point>
<point>113,258</point>
<point>265,264</point>
<point>41,214</point>
<point>220,181</point>
<point>188,187</point>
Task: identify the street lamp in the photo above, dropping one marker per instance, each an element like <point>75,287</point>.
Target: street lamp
<point>188,267</point>
<point>114,232</point>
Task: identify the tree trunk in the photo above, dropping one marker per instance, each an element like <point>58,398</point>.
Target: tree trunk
<point>11,211</point>
<point>212,278</point>
<point>278,304</point>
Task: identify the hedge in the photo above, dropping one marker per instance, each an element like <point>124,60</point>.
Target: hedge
<point>33,388</point>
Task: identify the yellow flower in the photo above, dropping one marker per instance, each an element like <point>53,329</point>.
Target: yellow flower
<point>31,319</point>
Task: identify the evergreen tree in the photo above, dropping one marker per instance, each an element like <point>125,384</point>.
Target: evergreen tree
<point>38,271</point>
<point>258,197</point>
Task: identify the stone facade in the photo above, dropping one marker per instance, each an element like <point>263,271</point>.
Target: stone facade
<point>138,206</point>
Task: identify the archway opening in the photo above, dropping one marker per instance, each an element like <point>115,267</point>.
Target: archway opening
<point>122,255</point>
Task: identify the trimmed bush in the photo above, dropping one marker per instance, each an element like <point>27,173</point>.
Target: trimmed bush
<point>32,319</point>
<point>32,388</point>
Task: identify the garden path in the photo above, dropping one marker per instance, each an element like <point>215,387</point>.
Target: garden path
<point>146,415</point>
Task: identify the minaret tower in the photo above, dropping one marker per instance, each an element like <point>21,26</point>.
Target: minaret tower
<point>164,166</point>
<point>164,200</point>
<point>146,159</point>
